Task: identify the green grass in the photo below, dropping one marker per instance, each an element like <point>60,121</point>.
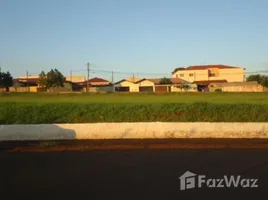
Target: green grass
<point>86,108</point>
<point>218,98</point>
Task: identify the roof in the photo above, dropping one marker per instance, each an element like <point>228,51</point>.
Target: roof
<point>209,82</point>
<point>200,67</point>
<point>123,81</point>
<point>133,79</point>
<point>96,79</point>
<point>204,67</point>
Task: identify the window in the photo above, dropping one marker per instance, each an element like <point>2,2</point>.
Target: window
<point>212,75</point>
<point>191,74</point>
<point>181,75</point>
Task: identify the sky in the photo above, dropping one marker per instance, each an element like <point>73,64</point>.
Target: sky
<point>137,36</point>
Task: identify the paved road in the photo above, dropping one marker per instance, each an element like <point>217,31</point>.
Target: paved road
<point>129,174</point>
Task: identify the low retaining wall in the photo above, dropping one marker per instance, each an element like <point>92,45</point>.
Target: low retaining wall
<point>133,131</point>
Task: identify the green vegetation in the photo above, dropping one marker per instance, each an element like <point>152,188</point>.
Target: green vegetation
<point>34,108</point>
<point>140,98</point>
<point>12,113</point>
<point>261,79</point>
<point>5,80</point>
<point>165,80</point>
<point>53,79</point>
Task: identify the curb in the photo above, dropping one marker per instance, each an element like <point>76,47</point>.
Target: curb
<point>141,130</point>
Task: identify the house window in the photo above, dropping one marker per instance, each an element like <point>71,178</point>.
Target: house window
<point>181,75</point>
<point>212,75</point>
<point>191,75</point>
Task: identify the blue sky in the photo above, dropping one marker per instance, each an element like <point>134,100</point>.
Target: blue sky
<point>131,36</point>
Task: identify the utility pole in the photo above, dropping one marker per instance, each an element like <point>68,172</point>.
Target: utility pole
<point>88,73</point>
<point>113,80</point>
<point>71,79</point>
<point>27,76</point>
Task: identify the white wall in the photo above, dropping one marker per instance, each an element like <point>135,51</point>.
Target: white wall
<point>138,130</point>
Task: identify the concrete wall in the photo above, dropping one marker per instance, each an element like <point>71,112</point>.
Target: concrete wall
<point>232,75</point>
<point>198,75</point>
<point>229,74</point>
<point>192,88</point>
<point>75,79</point>
<point>237,87</point>
<point>23,89</point>
<point>243,88</point>
<point>133,131</point>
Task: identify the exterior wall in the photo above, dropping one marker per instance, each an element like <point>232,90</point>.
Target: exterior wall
<point>29,77</point>
<point>105,89</point>
<point>192,88</point>
<point>99,83</point>
<point>132,86</point>
<point>212,89</point>
<point>145,83</point>
<point>231,75</point>
<point>198,75</point>
<point>75,79</point>
<point>23,89</point>
<point>245,88</point>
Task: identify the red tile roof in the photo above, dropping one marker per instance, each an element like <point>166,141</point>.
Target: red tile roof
<point>200,67</point>
<point>203,67</point>
<point>96,79</point>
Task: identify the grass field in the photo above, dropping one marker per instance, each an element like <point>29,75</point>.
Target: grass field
<point>33,108</point>
<point>216,98</point>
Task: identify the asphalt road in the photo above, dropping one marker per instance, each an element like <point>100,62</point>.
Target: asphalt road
<point>129,173</point>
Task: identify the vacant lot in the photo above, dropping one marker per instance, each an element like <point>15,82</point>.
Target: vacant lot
<point>85,108</point>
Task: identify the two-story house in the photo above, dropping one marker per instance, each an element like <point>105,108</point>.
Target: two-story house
<point>211,73</point>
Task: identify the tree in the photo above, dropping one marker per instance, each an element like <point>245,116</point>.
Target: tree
<point>43,80</point>
<point>52,79</point>
<point>261,79</point>
<point>165,81</point>
<point>6,80</point>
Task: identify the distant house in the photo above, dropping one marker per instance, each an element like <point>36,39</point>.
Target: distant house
<point>237,87</point>
<point>210,72</point>
<point>97,84</point>
<point>126,86</point>
<point>154,85</point>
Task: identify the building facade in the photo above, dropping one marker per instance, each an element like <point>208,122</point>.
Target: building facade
<point>210,73</point>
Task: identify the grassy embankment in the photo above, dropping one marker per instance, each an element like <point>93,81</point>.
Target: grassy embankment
<point>36,108</point>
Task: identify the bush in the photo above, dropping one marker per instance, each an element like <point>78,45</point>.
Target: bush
<point>218,90</point>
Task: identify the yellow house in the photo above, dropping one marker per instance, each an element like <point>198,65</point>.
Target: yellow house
<point>210,73</point>
<point>146,85</point>
<point>126,86</point>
